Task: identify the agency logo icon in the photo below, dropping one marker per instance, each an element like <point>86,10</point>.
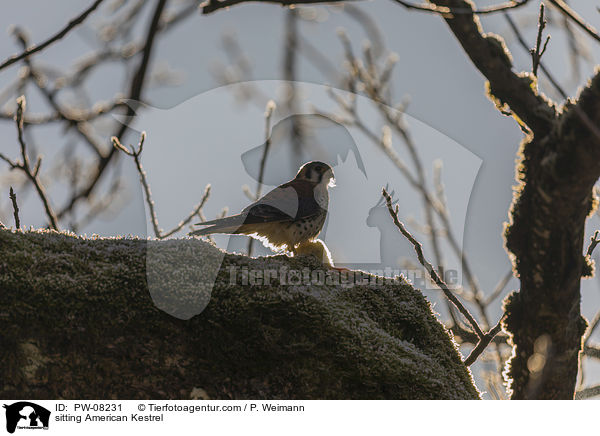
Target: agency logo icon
<point>26,415</point>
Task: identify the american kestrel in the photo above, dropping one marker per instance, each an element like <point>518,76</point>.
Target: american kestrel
<point>291,214</point>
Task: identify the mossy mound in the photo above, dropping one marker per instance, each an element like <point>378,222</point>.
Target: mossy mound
<point>77,320</point>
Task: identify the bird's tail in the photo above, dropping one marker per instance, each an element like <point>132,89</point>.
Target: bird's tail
<point>222,225</point>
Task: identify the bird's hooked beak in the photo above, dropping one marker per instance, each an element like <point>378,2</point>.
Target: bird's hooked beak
<point>329,175</point>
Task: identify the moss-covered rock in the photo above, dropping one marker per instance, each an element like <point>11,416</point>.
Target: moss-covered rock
<point>79,319</point>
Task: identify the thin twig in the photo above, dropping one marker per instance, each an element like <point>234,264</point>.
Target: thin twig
<point>499,288</point>
<point>82,128</point>
<point>484,338</point>
<point>268,115</point>
<point>477,295</point>
<point>289,104</point>
<point>590,330</point>
<point>36,48</point>
<point>318,59</point>
<point>449,12</point>
<point>592,351</point>
<point>570,13</point>
<point>98,207</point>
<point>430,270</point>
<point>214,5</point>
<point>261,174</point>
<point>575,51</point>
<point>135,153</point>
<point>32,174</point>
<point>467,336</point>
<point>369,24</point>
<point>594,240</point>
<point>483,343</point>
<point>578,111</point>
<point>586,393</point>
<point>523,44</point>
<point>13,199</point>
<point>6,159</point>
<point>193,213</point>
<point>32,118</point>
<point>538,51</point>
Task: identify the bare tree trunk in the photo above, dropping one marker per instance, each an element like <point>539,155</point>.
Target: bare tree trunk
<point>557,175</point>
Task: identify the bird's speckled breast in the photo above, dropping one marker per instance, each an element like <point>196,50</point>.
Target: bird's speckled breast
<point>307,228</point>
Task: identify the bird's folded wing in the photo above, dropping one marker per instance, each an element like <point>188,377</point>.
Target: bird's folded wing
<point>284,203</point>
<point>288,202</point>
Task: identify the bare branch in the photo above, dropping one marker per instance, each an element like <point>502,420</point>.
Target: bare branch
<point>13,199</point>
<point>484,338</point>
<point>594,240</point>
<point>585,119</point>
<point>545,70</point>
<point>499,288</point>
<point>268,115</point>
<point>32,118</point>
<point>61,114</point>
<point>135,153</point>
<point>483,343</point>
<point>586,393</point>
<point>430,270</point>
<point>318,59</point>
<point>26,167</point>
<point>489,54</point>
<point>467,336</point>
<point>591,351</point>
<point>590,330</point>
<point>197,210</point>
<point>134,94</point>
<point>143,179</point>
<point>99,206</point>
<point>370,26</point>
<point>213,5</point>
<point>36,48</point>
<point>116,143</point>
<point>571,14</point>
<point>449,12</point>
<point>6,159</point>
<point>538,51</point>
<point>261,174</point>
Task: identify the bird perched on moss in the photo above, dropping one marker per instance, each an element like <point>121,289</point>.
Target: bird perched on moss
<point>287,216</point>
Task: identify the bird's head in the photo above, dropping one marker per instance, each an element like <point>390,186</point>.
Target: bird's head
<point>316,172</point>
